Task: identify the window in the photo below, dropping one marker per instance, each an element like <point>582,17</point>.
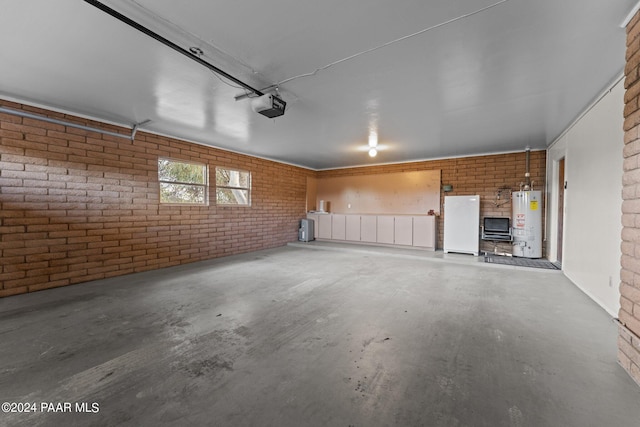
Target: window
<point>233,187</point>
<point>182,182</point>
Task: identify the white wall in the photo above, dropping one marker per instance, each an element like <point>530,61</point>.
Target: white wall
<point>592,148</point>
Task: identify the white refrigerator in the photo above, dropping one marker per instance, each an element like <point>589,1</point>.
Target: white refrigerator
<point>462,224</point>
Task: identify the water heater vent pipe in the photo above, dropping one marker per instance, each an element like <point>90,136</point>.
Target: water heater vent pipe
<point>527,175</point>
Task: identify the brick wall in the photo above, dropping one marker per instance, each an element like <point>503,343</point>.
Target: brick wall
<point>481,175</point>
<point>78,206</point>
<point>629,315</point>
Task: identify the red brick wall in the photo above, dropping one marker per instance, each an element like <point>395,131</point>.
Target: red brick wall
<point>629,315</point>
<point>78,206</point>
<point>481,175</point>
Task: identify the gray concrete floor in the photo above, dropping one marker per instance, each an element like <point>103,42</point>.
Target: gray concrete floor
<point>317,335</point>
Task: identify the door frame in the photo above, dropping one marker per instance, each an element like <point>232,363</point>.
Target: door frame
<point>555,153</point>
<point>561,186</point>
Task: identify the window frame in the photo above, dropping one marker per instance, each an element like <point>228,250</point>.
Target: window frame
<point>231,187</point>
<point>205,186</point>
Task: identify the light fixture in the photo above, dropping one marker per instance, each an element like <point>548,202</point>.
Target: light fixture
<point>373,139</point>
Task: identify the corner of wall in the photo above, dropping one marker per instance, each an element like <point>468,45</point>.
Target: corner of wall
<point>629,314</point>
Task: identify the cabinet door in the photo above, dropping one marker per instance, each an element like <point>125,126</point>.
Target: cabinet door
<point>424,231</point>
<point>403,230</point>
<point>338,227</point>
<point>368,228</point>
<point>353,228</point>
<point>385,229</point>
<point>324,226</point>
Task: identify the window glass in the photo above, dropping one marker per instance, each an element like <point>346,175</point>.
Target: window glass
<point>233,187</point>
<point>182,182</point>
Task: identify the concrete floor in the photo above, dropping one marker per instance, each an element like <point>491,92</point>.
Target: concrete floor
<point>317,335</point>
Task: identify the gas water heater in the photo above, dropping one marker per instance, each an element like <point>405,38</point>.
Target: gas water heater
<point>527,224</point>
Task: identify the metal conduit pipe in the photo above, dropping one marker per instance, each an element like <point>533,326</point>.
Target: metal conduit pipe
<point>63,123</point>
<point>527,174</point>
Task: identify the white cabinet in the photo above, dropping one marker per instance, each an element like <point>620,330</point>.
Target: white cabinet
<point>424,231</point>
<point>324,226</point>
<point>338,227</point>
<point>385,229</point>
<point>353,228</point>
<point>403,230</point>
<point>368,228</point>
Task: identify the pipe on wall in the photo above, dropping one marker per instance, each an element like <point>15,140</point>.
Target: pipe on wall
<point>64,123</point>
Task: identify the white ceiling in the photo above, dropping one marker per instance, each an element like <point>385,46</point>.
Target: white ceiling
<point>515,73</point>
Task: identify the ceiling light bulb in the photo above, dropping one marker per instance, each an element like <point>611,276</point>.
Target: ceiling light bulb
<point>373,139</point>
<point>373,152</point>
